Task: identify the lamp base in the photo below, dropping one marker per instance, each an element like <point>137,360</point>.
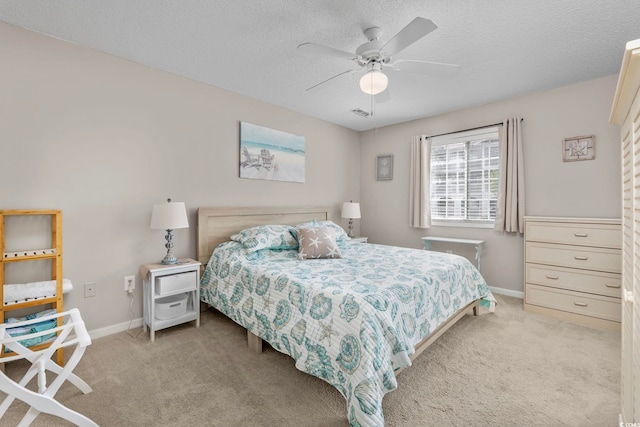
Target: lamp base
<point>350,233</point>
<point>169,259</point>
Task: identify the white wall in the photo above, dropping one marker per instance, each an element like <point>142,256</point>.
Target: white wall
<point>104,139</point>
<point>553,188</point>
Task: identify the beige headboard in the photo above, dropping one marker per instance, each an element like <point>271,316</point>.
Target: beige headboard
<point>216,225</point>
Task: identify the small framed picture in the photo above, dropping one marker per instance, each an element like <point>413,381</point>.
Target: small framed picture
<point>578,148</point>
<point>384,167</point>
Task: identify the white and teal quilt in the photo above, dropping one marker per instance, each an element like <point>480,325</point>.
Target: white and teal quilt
<point>352,321</point>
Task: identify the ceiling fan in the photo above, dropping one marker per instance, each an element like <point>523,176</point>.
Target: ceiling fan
<point>376,54</point>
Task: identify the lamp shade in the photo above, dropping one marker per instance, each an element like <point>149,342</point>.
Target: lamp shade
<point>374,82</point>
<point>351,210</point>
<point>169,216</point>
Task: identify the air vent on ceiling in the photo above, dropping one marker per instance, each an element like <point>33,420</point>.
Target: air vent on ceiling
<point>361,113</point>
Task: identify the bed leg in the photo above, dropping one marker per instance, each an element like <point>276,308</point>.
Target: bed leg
<point>475,310</point>
<point>254,342</point>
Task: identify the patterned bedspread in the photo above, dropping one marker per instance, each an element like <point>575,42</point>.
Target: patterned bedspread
<point>352,321</point>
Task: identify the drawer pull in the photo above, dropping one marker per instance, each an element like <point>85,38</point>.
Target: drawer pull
<point>581,234</point>
<point>581,258</point>
<point>552,277</point>
<point>612,285</point>
<point>580,304</point>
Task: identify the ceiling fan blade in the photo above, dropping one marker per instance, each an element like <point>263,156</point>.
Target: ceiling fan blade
<point>331,78</point>
<point>410,34</point>
<point>424,67</point>
<point>325,50</point>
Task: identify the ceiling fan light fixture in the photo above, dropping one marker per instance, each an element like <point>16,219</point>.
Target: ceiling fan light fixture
<point>374,82</point>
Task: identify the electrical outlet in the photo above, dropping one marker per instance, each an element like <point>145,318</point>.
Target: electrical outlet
<point>89,290</point>
<point>129,283</point>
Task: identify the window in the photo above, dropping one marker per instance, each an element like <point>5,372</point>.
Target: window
<point>464,177</point>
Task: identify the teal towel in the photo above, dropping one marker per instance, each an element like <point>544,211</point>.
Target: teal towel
<point>37,327</point>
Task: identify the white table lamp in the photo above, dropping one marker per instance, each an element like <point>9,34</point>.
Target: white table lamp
<point>169,216</point>
<point>352,211</point>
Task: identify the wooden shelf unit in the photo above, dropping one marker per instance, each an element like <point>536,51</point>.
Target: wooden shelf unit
<point>54,254</point>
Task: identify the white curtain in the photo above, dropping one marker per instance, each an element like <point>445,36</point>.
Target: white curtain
<point>510,208</point>
<point>419,185</point>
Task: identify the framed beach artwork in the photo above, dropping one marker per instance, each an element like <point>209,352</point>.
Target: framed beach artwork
<point>271,154</point>
<point>578,148</point>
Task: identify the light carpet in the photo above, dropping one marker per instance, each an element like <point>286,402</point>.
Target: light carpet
<point>500,369</point>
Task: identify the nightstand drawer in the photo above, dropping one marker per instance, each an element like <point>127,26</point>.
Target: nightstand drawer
<point>585,258</point>
<point>565,278</point>
<point>595,235</point>
<point>181,282</point>
<point>574,302</point>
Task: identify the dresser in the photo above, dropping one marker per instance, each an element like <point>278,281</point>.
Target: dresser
<point>572,269</point>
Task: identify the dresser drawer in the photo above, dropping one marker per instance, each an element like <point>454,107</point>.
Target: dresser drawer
<point>595,235</point>
<point>585,258</point>
<point>574,302</point>
<point>566,278</point>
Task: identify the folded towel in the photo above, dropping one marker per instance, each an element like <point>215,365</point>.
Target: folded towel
<point>43,326</point>
<point>36,327</point>
<point>36,290</point>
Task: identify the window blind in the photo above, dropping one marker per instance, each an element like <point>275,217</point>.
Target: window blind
<point>464,176</point>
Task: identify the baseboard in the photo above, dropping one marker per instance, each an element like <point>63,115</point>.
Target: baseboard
<point>114,329</point>
<point>507,292</point>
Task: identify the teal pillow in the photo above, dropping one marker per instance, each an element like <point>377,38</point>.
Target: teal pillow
<point>266,237</point>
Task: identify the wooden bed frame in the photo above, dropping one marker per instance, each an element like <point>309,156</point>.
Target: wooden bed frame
<point>216,225</point>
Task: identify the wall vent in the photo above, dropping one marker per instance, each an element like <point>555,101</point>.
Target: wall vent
<point>361,113</point>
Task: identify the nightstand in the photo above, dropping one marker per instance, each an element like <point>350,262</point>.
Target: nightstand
<point>171,295</point>
<point>360,239</point>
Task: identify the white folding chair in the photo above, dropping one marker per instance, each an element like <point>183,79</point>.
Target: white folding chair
<point>71,332</point>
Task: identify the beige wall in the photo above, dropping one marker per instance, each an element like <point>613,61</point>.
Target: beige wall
<point>104,139</point>
<point>553,188</point>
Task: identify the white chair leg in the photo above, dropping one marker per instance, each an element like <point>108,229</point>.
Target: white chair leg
<point>43,401</point>
<point>45,404</point>
<point>23,382</point>
<point>41,404</point>
<point>65,374</point>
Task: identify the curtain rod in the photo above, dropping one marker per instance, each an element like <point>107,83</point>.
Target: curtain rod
<point>467,130</point>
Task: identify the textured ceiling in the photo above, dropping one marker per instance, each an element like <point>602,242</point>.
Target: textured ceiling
<point>505,48</point>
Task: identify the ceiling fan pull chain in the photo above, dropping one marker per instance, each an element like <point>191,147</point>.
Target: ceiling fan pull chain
<point>373,106</point>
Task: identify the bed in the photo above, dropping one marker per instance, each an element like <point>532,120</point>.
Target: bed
<point>355,321</point>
